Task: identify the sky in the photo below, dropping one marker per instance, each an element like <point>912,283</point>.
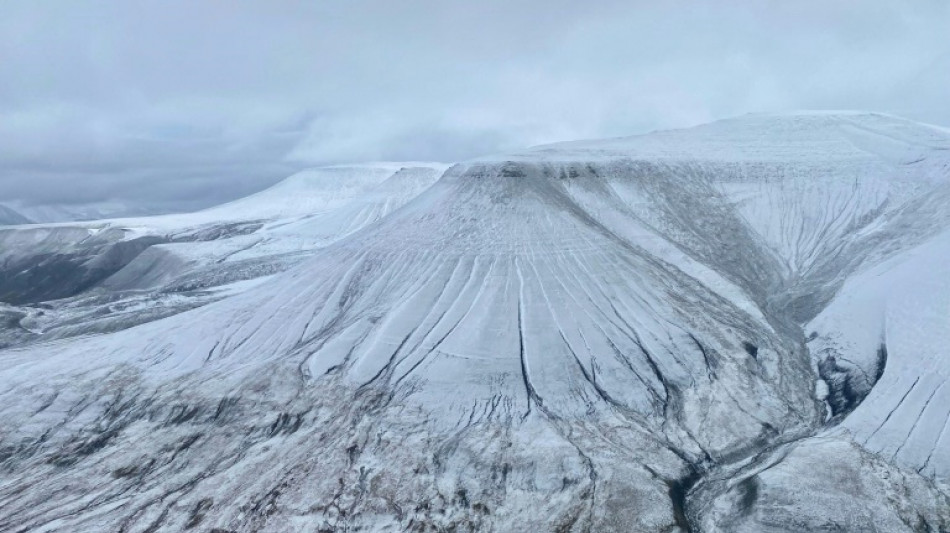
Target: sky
<point>178,105</point>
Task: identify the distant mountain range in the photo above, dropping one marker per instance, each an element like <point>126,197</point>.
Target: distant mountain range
<point>73,213</point>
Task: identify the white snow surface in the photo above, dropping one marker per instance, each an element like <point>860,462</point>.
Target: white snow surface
<point>563,335</point>
<point>150,267</point>
<point>902,304</point>
<point>307,193</point>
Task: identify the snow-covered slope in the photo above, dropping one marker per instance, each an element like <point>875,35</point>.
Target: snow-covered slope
<point>110,274</point>
<point>891,323</point>
<point>822,192</point>
<point>594,336</point>
<point>312,191</point>
<point>53,213</point>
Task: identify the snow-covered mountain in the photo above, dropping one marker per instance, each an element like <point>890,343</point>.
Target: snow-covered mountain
<point>97,276</point>
<point>734,327</point>
<point>889,327</point>
<point>48,213</point>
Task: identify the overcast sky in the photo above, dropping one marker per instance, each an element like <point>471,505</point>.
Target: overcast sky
<point>186,104</point>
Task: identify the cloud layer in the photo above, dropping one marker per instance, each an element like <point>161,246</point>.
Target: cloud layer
<point>186,104</point>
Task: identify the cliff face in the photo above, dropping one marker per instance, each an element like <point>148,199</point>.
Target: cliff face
<point>595,336</point>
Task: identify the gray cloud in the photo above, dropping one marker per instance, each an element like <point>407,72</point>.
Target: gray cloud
<point>186,104</point>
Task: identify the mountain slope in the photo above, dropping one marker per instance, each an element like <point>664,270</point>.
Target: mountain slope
<point>891,322</point>
<point>65,213</point>
<point>107,275</point>
<point>596,336</point>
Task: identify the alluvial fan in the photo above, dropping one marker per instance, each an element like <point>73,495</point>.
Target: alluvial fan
<point>658,333</point>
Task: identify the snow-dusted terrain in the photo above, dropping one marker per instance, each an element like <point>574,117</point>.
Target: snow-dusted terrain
<point>734,327</point>
<point>77,278</point>
<point>892,322</point>
<point>50,213</point>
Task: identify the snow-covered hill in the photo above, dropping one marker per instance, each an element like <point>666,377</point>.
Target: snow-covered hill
<point>106,275</point>
<point>890,327</point>
<point>53,213</point>
<point>591,336</point>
